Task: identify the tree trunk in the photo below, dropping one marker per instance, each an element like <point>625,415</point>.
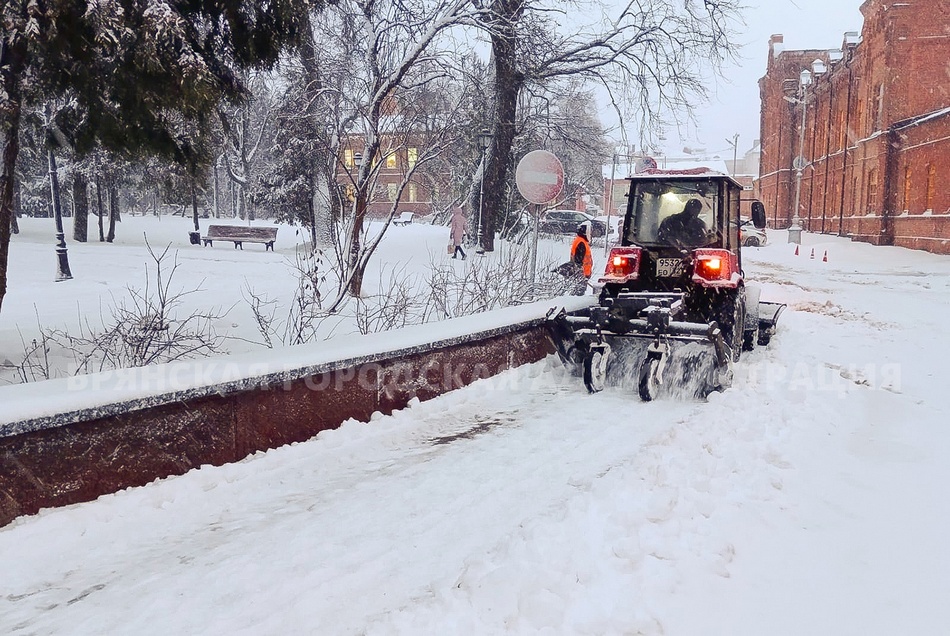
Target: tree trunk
<point>11,67</point>
<point>10,149</point>
<point>313,227</point>
<point>194,205</point>
<point>248,206</point>
<point>81,206</point>
<point>113,211</point>
<point>214,198</point>
<point>321,210</point>
<point>508,84</point>
<point>321,203</point>
<point>102,213</point>
<point>17,212</point>
<point>355,287</point>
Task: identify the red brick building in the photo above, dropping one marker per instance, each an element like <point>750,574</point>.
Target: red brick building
<point>875,145</point>
<point>397,159</point>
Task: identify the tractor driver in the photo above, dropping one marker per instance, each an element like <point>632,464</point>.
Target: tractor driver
<point>685,229</point>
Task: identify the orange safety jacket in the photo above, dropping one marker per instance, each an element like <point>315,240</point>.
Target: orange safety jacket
<point>588,263</point>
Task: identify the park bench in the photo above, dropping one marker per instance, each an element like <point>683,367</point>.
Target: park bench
<point>239,234</point>
<point>403,219</point>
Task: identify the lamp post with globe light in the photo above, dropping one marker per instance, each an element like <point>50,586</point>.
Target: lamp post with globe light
<point>798,163</point>
<point>484,141</point>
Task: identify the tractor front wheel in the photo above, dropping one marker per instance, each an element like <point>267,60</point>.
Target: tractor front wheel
<point>595,368</point>
<point>648,383</point>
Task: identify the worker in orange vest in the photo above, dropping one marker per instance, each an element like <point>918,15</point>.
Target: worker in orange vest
<point>581,257</point>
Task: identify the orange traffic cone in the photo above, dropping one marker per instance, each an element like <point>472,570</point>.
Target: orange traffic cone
<point>813,252</point>
<point>796,250</point>
<point>824,259</point>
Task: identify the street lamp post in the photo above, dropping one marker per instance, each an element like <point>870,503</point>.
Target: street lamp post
<point>609,203</point>
<point>357,163</point>
<point>734,142</point>
<point>62,261</point>
<point>484,141</point>
<point>795,229</point>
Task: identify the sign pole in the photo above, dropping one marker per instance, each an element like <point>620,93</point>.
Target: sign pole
<point>533,271</point>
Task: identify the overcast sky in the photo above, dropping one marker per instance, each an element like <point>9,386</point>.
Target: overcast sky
<point>734,107</point>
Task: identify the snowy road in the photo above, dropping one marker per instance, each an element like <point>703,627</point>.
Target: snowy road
<point>808,498</point>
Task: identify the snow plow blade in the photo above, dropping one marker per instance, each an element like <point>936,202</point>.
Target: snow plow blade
<point>768,319</point>
<point>657,355</point>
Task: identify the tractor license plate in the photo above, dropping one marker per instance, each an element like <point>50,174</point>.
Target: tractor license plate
<point>669,267</point>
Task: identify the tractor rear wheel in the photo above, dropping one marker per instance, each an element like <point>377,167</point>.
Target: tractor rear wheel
<point>729,314</point>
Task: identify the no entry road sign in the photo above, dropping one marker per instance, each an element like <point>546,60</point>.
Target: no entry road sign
<point>540,176</point>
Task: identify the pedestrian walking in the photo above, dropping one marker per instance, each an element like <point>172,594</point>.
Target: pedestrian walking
<point>457,232</point>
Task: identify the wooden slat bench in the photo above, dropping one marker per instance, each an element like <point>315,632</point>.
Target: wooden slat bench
<point>239,234</point>
<point>403,219</point>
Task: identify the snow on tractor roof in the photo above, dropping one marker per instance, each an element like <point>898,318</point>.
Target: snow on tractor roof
<point>688,173</point>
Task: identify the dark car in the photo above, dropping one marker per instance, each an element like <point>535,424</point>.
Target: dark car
<point>567,221</point>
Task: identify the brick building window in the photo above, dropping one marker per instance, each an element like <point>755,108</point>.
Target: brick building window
<point>392,189</point>
<point>874,108</point>
<point>859,118</point>
<point>872,191</point>
<point>855,196</point>
<point>348,158</point>
<point>413,193</point>
<point>931,184</point>
<point>412,155</point>
<point>391,161</point>
<point>907,188</point>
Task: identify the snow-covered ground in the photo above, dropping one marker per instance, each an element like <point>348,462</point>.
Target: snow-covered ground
<point>809,498</point>
<point>217,279</point>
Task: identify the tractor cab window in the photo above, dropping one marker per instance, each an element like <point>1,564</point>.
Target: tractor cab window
<point>673,213</point>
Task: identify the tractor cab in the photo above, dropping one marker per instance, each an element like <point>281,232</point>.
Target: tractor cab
<point>676,222</point>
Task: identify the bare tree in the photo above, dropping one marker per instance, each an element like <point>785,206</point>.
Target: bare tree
<point>651,56</point>
<point>245,126</point>
<point>395,47</point>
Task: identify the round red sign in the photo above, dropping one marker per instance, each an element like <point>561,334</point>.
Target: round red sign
<point>540,176</point>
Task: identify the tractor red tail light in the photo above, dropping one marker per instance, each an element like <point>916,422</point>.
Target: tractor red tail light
<point>715,268</point>
<point>623,265</point>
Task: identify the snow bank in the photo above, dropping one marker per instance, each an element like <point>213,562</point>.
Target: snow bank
<point>59,401</point>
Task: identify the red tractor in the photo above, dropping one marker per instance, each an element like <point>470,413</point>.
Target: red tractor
<point>675,310</point>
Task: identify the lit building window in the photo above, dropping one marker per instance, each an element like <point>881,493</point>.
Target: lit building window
<point>391,161</point>
<point>412,156</point>
<point>348,158</point>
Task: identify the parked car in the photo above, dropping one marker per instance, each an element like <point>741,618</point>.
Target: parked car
<point>567,221</point>
<point>751,236</point>
<point>613,225</point>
